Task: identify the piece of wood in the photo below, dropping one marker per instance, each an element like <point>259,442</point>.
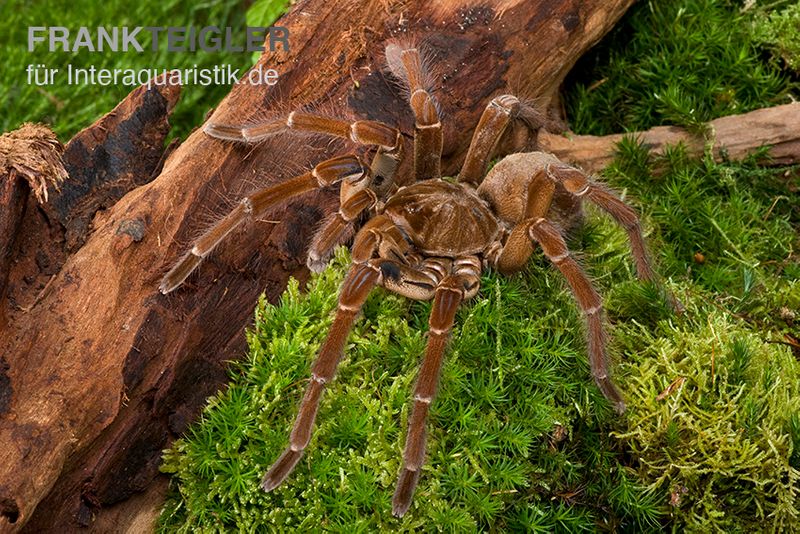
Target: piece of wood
<point>734,137</point>
<point>104,371</point>
<point>30,165</point>
<point>119,152</point>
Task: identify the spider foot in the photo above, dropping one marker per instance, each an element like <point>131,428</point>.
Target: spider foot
<point>316,263</point>
<point>611,392</point>
<point>406,484</point>
<point>281,469</point>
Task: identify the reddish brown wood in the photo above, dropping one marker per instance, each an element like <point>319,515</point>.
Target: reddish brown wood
<point>31,168</point>
<point>103,371</point>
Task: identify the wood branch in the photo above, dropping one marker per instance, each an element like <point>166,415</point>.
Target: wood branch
<point>103,371</point>
<point>734,137</point>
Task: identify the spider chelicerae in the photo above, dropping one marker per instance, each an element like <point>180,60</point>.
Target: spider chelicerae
<point>431,239</point>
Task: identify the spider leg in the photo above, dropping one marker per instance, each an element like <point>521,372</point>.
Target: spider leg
<point>357,286</point>
<point>490,129</point>
<point>338,227</point>
<point>554,247</point>
<point>355,198</point>
<point>501,112</point>
<point>453,289</point>
<point>518,247</point>
<point>342,168</point>
<point>365,132</point>
<point>407,66</point>
<point>580,185</point>
<point>380,238</point>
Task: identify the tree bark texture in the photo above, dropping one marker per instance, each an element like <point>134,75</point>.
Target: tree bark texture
<point>98,370</point>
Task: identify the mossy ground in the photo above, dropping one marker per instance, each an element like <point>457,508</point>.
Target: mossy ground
<point>520,438</point>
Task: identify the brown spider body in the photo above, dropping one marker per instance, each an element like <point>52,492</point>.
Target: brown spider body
<point>431,239</point>
<point>444,219</point>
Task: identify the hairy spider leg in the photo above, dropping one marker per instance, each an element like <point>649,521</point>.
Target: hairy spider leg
<point>355,197</point>
<point>490,129</point>
<point>354,200</point>
<point>364,132</point>
<point>408,67</point>
<point>380,238</point>
<point>580,185</point>
<point>589,301</point>
<point>461,284</point>
<point>502,111</point>
<point>357,286</point>
<point>518,247</point>
<point>328,172</point>
<point>337,228</point>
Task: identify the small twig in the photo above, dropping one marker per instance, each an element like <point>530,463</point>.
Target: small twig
<point>774,202</point>
<point>670,389</point>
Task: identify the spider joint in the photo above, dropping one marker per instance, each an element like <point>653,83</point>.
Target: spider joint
<point>583,191</point>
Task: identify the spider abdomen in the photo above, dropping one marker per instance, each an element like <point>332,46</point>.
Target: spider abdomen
<point>443,219</point>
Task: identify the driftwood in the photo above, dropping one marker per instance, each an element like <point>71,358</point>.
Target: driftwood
<point>99,371</point>
<point>734,137</point>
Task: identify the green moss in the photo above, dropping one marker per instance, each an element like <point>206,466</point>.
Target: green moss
<point>779,31</point>
<point>515,376</point>
<point>721,442</point>
<point>519,434</point>
<point>681,62</point>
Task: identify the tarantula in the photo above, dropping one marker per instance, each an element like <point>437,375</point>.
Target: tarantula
<point>431,239</point>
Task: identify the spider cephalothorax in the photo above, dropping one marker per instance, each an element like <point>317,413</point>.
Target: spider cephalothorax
<point>431,239</point>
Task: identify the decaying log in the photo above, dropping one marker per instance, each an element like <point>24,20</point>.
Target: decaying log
<point>734,137</point>
<point>101,371</point>
<point>119,152</point>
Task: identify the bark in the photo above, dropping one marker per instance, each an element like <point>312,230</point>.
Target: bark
<point>30,162</point>
<point>734,137</point>
<point>99,370</point>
